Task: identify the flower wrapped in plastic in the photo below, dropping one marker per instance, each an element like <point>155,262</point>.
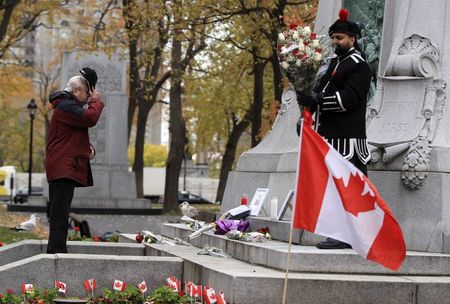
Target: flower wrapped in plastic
<point>256,237</point>
<point>301,53</point>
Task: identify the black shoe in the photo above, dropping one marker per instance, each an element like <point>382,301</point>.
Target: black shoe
<point>333,244</point>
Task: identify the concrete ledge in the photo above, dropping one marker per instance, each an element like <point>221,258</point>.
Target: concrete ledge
<point>274,254</point>
<point>21,250</point>
<point>245,283</point>
<point>42,270</point>
<point>28,248</point>
<point>279,230</point>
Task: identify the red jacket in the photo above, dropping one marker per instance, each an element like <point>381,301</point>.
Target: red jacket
<point>68,141</point>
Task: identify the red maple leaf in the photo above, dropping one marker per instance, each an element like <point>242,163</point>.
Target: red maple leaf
<point>351,195</point>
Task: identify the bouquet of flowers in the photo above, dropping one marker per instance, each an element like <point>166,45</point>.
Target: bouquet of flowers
<point>301,53</point>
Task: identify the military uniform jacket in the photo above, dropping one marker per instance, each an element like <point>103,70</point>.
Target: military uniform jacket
<point>340,118</point>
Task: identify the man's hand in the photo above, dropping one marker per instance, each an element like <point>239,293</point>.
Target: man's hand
<point>308,100</point>
<point>95,94</point>
<point>305,100</point>
<point>91,152</point>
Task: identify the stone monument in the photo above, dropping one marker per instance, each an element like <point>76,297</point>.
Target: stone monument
<point>407,127</point>
<point>114,185</point>
<point>409,122</point>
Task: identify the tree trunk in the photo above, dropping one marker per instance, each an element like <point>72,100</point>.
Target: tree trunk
<point>134,85</point>
<point>258,95</point>
<point>277,77</point>
<point>229,156</point>
<point>177,131</point>
<point>134,68</point>
<point>138,166</point>
<point>7,8</point>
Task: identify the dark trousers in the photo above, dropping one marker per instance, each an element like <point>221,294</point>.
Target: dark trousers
<point>60,195</point>
<point>358,164</point>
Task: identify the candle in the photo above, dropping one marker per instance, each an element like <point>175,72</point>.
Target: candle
<point>274,207</point>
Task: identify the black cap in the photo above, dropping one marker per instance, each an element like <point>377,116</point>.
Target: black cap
<point>343,25</point>
<point>91,76</point>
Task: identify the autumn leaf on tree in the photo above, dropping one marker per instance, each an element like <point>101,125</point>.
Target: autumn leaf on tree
<point>353,199</point>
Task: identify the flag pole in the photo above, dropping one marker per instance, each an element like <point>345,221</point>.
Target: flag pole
<point>288,260</point>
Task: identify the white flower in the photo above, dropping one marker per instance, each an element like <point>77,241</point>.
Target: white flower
<point>315,43</point>
<point>307,30</point>
<point>317,56</point>
<point>301,46</point>
<point>308,51</point>
<point>298,63</point>
<point>283,49</point>
<point>295,35</point>
<point>281,37</point>
<point>284,65</point>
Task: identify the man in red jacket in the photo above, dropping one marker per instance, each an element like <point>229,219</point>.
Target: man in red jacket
<point>67,166</point>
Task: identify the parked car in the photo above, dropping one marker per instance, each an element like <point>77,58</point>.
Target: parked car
<point>22,194</point>
<point>186,196</point>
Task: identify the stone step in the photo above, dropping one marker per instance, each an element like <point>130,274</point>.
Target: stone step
<point>43,269</point>
<point>243,282</point>
<point>273,254</point>
<point>28,248</point>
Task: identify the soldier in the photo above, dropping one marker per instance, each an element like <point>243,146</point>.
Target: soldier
<point>339,101</point>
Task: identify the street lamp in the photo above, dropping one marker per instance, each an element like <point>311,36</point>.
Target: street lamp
<point>31,107</point>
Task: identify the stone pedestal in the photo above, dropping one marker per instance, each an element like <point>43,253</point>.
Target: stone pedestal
<point>114,186</point>
<point>271,164</point>
<point>407,128</point>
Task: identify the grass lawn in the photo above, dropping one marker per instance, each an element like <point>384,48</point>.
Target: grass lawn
<point>8,236</point>
<point>10,219</point>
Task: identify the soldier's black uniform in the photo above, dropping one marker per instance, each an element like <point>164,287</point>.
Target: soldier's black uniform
<point>340,115</point>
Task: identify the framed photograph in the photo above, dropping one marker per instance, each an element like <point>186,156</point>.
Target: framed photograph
<point>258,201</point>
<point>286,204</point>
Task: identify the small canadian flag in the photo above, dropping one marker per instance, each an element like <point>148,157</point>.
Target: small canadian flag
<point>172,282</point>
<point>119,285</point>
<point>142,286</point>
<point>221,298</point>
<point>209,295</point>
<point>198,291</point>
<point>90,284</point>
<point>27,288</point>
<point>62,287</point>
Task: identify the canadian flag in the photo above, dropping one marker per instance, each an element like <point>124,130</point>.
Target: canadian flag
<point>221,298</point>
<point>175,284</point>
<point>142,286</point>
<point>197,291</point>
<point>27,288</point>
<point>62,287</point>
<point>209,295</point>
<point>90,284</point>
<point>172,282</point>
<point>119,285</point>
<point>189,288</point>
<point>335,199</point>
